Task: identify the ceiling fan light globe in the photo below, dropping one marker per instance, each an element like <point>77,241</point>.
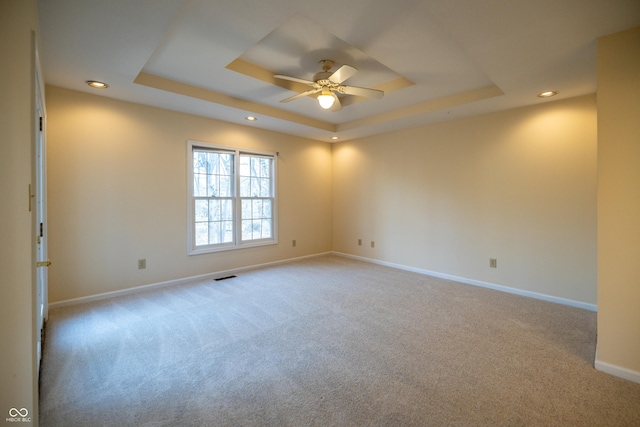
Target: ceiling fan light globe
<point>326,101</point>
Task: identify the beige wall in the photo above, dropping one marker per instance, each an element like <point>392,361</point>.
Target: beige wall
<point>619,203</point>
<point>117,193</point>
<point>18,387</point>
<point>518,185</point>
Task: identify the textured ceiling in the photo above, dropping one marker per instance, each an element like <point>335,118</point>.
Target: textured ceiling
<point>435,59</point>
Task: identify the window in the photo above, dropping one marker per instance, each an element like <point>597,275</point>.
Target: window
<point>232,201</point>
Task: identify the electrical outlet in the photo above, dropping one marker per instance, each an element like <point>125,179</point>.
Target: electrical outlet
<point>359,242</point>
<point>293,243</point>
<point>142,264</point>
<point>373,244</point>
<point>493,263</point>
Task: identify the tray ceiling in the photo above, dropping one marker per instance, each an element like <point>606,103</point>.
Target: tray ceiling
<point>436,60</point>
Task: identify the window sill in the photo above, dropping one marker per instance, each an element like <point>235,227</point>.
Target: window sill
<point>225,248</point>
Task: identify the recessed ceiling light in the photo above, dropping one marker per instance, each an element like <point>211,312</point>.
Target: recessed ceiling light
<point>97,84</point>
<point>335,137</point>
<point>251,118</point>
<point>548,94</point>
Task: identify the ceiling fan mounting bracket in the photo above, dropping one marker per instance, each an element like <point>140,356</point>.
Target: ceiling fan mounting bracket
<point>326,64</point>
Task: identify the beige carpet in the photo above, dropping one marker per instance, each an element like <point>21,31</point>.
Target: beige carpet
<point>328,341</point>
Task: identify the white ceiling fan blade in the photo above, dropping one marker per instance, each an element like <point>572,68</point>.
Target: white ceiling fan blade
<point>295,79</point>
<point>337,105</point>
<point>300,95</point>
<point>361,91</point>
<point>343,73</point>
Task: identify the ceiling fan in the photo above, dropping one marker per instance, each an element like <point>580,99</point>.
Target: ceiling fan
<point>327,83</point>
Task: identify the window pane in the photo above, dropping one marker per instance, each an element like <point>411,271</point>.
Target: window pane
<point>226,164</point>
<point>265,166</point>
<point>246,229</point>
<point>256,209</point>
<point>214,233</point>
<point>202,210</point>
<point>212,185</point>
<point>256,227</point>
<point>257,217</point>
<point>255,176</point>
<point>226,210</point>
<point>255,166</point>
<point>266,208</point>
<point>224,186</point>
<point>212,163</point>
<point>214,210</point>
<point>227,227</point>
<point>265,187</point>
<point>244,166</point>
<point>199,162</point>
<point>246,209</point>
<point>253,188</point>
<point>202,233</point>
<point>245,186</point>
<point>266,228</point>
<point>199,185</point>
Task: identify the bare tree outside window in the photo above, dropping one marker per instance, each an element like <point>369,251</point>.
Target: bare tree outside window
<point>232,200</point>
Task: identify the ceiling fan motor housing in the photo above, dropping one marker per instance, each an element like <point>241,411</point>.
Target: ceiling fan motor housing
<point>322,78</point>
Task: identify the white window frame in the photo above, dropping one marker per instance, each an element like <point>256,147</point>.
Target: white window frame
<point>237,243</point>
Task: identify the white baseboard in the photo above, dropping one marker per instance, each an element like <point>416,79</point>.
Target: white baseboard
<point>536,295</point>
<point>617,371</point>
<point>216,274</point>
<point>136,289</point>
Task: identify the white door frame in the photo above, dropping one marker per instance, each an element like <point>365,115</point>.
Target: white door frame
<point>40,205</point>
